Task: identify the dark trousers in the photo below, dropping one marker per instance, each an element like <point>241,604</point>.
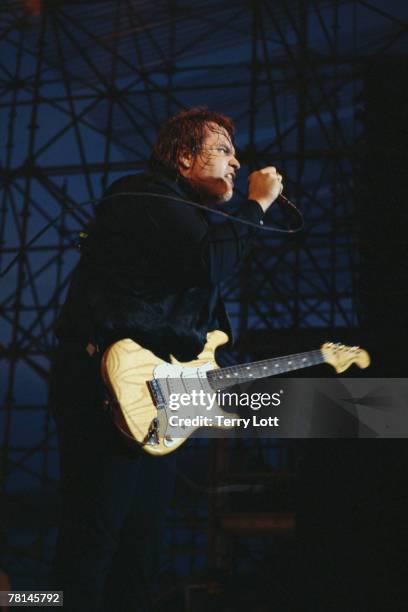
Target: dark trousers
<point>113,497</point>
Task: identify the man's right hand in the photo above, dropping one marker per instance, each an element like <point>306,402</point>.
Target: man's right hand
<point>264,186</point>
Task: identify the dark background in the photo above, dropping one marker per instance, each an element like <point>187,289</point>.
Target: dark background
<point>317,88</point>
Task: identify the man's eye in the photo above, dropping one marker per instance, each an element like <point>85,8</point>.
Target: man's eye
<point>223,150</point>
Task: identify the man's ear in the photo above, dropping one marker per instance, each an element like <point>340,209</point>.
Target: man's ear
<point>186,159</point>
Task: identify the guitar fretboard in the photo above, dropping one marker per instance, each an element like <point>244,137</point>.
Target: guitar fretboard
<point>225,377</point>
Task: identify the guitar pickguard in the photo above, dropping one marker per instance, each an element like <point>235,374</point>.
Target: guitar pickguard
<point>177,379</point>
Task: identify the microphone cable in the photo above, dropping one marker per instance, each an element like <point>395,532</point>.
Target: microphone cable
<point>261,225</point>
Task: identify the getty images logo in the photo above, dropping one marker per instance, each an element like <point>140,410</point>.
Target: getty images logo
<point>207,401</point>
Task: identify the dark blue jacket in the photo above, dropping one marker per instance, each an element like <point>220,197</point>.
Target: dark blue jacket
<point>150,268</point>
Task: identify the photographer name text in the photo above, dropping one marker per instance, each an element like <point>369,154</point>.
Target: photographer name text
<point>223,421</point>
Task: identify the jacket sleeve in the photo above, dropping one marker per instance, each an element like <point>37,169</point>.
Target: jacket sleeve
<point>226,245</point>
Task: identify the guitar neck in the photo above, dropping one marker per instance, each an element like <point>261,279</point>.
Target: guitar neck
<point>226,377</point>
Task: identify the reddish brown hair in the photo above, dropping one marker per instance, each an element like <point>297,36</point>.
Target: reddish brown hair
<point>186,132</point>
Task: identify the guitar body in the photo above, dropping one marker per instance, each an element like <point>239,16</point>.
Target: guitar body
<point>126,369</point>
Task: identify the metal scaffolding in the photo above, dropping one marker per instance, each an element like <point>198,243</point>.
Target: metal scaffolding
<point>84,87</point>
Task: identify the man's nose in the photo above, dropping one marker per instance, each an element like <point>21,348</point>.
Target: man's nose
<point>235,163</point>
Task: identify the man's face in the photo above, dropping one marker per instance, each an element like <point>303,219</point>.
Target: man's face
<point>212,171</point>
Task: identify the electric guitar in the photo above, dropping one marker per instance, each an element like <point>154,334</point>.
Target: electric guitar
<point>139,384</point>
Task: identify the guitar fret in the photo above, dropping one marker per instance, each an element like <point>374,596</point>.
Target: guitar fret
<point>268,367</point>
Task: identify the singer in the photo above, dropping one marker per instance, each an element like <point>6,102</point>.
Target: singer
<point>149,270</point>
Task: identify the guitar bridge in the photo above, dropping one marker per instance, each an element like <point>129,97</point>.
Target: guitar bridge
<point>152,437</point>
<point>156,393</point>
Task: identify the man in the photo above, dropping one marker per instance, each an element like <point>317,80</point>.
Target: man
<point>149,270</point>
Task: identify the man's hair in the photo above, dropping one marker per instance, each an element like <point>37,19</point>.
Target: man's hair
<point>186,132</point>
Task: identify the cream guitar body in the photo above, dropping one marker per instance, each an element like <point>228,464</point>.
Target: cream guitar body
<point>127,369</point>
<point>139,384</point>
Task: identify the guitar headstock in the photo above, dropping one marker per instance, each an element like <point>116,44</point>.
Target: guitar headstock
<point>342,357</point>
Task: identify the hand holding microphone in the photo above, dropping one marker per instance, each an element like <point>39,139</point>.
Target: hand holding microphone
<point>264,186</point>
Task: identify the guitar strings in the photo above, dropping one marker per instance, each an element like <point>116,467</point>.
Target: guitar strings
<point>315,353</point>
